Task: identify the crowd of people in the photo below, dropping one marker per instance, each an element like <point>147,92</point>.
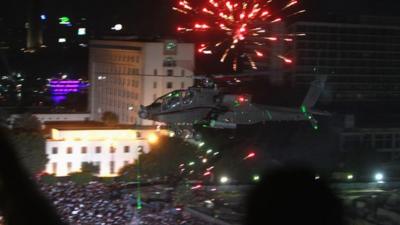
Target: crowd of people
<point>91,204</point>
<point>166,215</point>
<point>97,203</point>
<point>100,204</point>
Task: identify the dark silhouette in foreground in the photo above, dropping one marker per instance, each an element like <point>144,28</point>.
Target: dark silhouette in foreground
<point>293,195</point>
<point>20,199</point>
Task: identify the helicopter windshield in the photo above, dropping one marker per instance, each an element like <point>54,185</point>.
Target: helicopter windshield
<point>175,99</point>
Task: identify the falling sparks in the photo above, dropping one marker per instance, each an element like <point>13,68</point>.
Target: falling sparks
<point>285,59</point>
<point>241,23</point>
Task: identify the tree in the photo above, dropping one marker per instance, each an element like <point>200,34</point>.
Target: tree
<point>27,122</point>
<point>154,164</point>
<point>110,118</point>
<point>88,167</point>
<point>31,151</point>
<point>81,177</point>
<point>128,172</point>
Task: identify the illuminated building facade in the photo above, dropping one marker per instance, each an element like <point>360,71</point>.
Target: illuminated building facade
<point>360,57</point>
<point>127,74</point>
<point>109,148</point>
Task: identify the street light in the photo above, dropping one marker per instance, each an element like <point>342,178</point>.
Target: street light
<point>117,27</point>
<point>350,177</point>
<point>379,177</point>
<point>152,138</point>
<point>256,178</point>
<point>224,180</point>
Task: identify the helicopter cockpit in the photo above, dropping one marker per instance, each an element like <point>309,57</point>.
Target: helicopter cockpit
<point>175,100</point>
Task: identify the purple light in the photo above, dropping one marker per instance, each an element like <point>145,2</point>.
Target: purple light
<point>61,88</point>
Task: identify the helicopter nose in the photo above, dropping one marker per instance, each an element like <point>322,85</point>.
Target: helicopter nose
<point>143,112</point>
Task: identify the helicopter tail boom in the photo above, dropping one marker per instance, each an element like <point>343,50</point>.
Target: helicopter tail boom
<point>315,91</point>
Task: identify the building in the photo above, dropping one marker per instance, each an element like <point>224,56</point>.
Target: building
<point>67,148</point>
<point>361,57</point>
<point>44,118</point>
<point>34,38</point>
<point>371,140</point>
<point>127,74</point>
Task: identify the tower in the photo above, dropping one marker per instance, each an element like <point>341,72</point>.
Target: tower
<point>34,38</point>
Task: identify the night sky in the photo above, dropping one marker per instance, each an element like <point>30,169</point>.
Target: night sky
<point>155,17</point>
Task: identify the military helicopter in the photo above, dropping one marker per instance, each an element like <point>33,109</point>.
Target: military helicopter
<point>207,105</point>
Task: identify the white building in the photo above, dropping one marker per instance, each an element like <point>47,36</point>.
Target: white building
<point>109,148</point>
<point>53,117</point>
<point>127,74</point>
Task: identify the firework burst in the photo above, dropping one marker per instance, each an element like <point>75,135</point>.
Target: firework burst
<point>245,27</point>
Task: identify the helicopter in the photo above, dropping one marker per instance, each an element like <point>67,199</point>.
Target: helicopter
<point>209,106</point>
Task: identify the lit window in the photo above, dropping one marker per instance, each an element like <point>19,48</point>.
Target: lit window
<point>169,62</point>
<point>54,150</point>
<point>112,149</point>
<point>112,167</point>
<point>84,150</point>
<point>62,40</point>
<point>54,167</point>
<point>69,166</point>
<point>98,164</point>
<point>126,149</point>
<point>82,31</point>
<point>170,72</point>
<point>98,149</point>
<point>169,85</point>
<point>69,150</point>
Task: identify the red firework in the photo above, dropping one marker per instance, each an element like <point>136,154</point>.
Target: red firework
<point>242,23</point>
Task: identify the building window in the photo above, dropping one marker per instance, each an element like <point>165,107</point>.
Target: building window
<point>138,135</point>
<point>54,167</point>
<point>154,84</point>
<point>98,164</point>
<point>112,167</point>
<point>69,167</point>
<point>182,73</point>
<point>112,149</point>
<point>126,149</point>
<point>170,72</point>
<point>155,72</point>
<point>54,150</point>
<point>182,85</point>
<point>98,149</point>
<point>169,85</point>
<point>169,62</point>
<point>126,163</point>
<point>69,150</point>
<point>84,150</point>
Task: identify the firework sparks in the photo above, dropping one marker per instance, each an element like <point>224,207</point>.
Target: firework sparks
<point>242,23</point>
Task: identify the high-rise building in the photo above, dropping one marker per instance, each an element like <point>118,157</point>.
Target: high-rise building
<point>127,74</point>
<point>361,58</point>
<point>34,31</point>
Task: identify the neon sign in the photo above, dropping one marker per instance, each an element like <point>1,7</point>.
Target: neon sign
<point>61,88</point>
